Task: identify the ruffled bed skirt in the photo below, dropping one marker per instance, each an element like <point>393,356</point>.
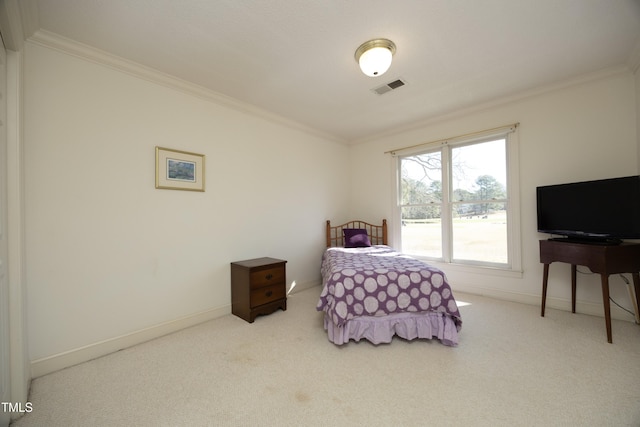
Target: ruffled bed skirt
<point>380,330</point>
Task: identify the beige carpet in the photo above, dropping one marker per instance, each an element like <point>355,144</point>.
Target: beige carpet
<point>511,368</point>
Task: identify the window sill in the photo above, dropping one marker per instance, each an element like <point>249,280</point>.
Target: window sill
<point>477,269</point>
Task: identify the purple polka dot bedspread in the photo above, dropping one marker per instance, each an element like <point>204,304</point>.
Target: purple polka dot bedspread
<point>376,292</point>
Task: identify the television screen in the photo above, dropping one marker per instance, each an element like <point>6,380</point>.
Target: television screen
<point>607,209</point>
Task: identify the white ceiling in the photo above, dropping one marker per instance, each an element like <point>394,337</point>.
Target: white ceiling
<point>295,58</point>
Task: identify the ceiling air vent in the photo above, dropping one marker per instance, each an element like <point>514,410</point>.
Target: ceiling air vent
<point>388,87</point>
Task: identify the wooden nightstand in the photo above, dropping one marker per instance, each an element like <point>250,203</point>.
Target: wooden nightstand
<point>258,286</point>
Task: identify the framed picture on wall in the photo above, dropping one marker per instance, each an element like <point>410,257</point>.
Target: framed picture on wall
<point>179,170</point>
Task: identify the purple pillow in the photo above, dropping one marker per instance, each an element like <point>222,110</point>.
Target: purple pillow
<point>356,238</point>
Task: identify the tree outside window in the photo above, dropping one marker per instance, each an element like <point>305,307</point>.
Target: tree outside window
<point>454,203</point>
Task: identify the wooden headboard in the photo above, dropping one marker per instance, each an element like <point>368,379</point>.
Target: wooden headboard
<point>377,233</point>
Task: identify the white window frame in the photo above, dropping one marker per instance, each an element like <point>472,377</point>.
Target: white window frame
<point>510,134</point>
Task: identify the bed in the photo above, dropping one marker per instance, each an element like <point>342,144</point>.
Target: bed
<point>370,291</point>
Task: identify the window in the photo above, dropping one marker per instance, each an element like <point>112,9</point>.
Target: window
<point>457,201</point>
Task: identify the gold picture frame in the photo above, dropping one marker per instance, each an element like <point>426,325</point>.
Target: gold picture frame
<point>179,170</point>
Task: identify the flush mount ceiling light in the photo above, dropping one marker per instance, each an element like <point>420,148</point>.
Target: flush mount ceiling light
<point>375,56</point>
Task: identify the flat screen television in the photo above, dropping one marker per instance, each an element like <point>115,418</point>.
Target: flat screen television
<point>602,211</point>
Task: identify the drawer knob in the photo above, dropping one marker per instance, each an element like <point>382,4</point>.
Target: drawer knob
<point>269,276</point>
<point>268,293</point>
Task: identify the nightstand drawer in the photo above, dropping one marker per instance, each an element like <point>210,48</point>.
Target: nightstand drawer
<point>267,294</point>
<point>267,277</point>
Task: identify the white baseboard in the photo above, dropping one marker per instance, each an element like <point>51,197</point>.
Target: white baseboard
<point>69,358</point>
<point>53,363</point>
<point>593,309</point>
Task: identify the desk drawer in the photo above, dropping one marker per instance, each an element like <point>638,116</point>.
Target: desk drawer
<point>267,294</point>
<point>267,277</point>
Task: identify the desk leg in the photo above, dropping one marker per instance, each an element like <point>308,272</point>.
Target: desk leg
<point>573,288</point>
<point>605,302</point>
<point>636,285</point>
<point>545,280</point>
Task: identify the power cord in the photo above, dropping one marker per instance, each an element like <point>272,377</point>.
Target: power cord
<point>628,311</point>
<point>624,278</point>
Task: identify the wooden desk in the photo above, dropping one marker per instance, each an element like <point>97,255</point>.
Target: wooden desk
<point>602,259</point>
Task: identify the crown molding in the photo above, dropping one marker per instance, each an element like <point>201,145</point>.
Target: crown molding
<point>11,25</point>
<point>465,111</point>
<point>29,16</point>
<point>18,21</point>
<point>71,47</point>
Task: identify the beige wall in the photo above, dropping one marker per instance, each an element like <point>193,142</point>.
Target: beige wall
<point>580,131</point>
<point>109,255</point>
